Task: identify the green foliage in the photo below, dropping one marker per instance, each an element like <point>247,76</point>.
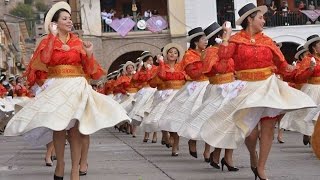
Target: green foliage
<point>41,6</point>
<point>30,2</point>
<point>23,10</point>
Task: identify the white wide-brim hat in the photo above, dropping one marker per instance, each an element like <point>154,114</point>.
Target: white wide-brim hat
<point>143,55</point>
<point>52,11</point>
<point>128,63</point>
<point>173,45</point>
<point>248,9</point>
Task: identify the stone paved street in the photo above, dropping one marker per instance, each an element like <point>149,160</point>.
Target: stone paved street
<point>115,155</point>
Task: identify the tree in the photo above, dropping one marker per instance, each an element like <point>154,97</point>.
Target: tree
<point>23,10</point>
<point>42,7</point>
<point>28,2</point>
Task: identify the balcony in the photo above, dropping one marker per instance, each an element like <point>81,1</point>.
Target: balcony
<point>279,18</point>
<point>105,28</point>
<point>291,18</point>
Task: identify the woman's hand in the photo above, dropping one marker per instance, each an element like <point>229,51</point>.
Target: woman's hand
<point>290,68</point>
<point>227,31</point>
<point>313,63</point>
<point>160,59</point>
<point>53,29</point>
<point>88,47</point>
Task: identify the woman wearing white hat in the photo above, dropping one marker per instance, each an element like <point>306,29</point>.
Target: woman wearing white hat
<point>145,72</point>
<point>173,78</point>
<point>129,88</point>
<point>309,75</point>
<point>69,103</point>
<point>189,98</point>
<point>264,96</point>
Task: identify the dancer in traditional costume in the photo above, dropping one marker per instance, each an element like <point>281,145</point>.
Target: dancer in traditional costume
<point>69,103</point>
<point>222,88</point>
<point>263,96</point>
<point>189,98</point>
<point>145,72</point>
<point>173,78</point>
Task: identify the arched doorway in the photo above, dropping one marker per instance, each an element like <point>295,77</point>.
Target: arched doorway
<point>129,56</point>
<point>289,49</point>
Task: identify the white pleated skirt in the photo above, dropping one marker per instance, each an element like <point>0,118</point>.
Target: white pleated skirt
<point>58,107</point>
<point>160,102</point>
<point>186,101</point>
<point>235,120</point>
<point>214,98</point>
<point>141,98</point>
<point>301,120</point>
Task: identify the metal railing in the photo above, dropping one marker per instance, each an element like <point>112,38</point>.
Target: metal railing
<point>291,18</point>
<point>106,28</point>
<point>278,18</point>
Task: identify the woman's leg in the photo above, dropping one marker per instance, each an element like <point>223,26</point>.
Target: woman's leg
<point>75,148</point>
<point>48,159</point>
<point>215,156</point>
<point>267,133</point>
<point>85,139</point>
<point>228,156</point>
<point>154,137</point>
<point>251,143</point>
<point>175,145</point>
<point>146,137</point>
<point>59,140</point>
<point>206,153</point>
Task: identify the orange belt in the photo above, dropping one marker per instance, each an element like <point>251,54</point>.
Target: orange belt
<point>201,78</point>
<point>314,80</point>
<point>145,84</point>
<point>254,74</point>
<point>65,71</point>
<point>221,78</point>
<point>174,84</point>
<point>132,90</point>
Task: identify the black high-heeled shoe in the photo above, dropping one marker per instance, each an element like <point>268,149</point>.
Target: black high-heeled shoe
<point>280,140</point>
<point>193,154</point>
<point>212,163</point>
<point>306,140</point>
<point>83,173</point>
<point>256,174</point>
<point>53,158</point>
<point>116,127</point>
<point>57,177</point>
<point>145,140</point>
<point>174,154</point>
<point>230,168</point>
<point>49,164</point>
<point>163,142</point>
<point>207,160</point>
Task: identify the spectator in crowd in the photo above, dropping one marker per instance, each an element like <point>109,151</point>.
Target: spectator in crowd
<point>311,6</point>
<point>155,12</point>
<point>302,6</point>
<point>284,9</point>
<point>273,7</point>
<point>147,14</point>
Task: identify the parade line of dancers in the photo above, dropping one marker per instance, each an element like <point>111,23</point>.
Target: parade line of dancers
<point>224,90</point>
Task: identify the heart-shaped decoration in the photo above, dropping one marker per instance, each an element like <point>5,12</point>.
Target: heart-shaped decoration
<point>122,26</point>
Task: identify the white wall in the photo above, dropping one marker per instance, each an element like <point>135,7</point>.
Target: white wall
<point>90,17</point>
<point>200,13</point>
<point>296,34</point>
